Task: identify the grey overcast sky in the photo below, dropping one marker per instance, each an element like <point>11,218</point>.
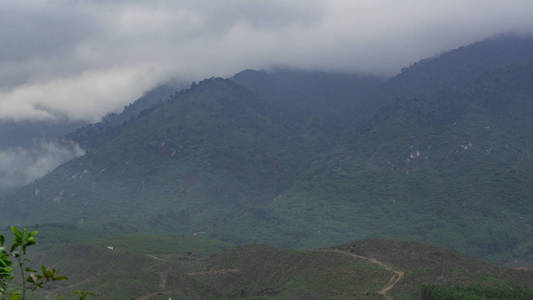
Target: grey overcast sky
<point>84,58</point>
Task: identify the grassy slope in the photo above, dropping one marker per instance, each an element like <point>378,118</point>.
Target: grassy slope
<point>254,271</point>
<point>424,264</point>
<point>263,272</point>
<point>131,269</point>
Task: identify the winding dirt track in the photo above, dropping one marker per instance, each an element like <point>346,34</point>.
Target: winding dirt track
<point>396,277</point>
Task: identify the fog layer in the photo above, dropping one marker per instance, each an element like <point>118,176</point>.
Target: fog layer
<point>82,59</point>
<point>19,166</point>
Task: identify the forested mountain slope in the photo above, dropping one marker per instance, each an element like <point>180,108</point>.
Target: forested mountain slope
<point>447,163</point>
<point>453,168</point>
<point>204,156</point>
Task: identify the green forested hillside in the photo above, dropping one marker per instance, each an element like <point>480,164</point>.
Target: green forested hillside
<point>447,164</point>
<point>210,154</point>
<point>452,169</point>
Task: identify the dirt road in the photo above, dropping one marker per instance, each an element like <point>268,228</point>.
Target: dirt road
<point>396,277</point>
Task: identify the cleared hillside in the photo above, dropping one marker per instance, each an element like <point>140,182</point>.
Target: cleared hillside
<point>362,270</point>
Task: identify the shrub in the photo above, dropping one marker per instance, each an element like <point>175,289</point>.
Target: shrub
<point>14,255</point>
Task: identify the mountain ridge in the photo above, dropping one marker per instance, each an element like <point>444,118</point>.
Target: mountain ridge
<point>449,165</point>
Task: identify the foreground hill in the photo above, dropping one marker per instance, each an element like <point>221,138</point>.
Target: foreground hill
<point>195,268</point>
<point>429,265</point>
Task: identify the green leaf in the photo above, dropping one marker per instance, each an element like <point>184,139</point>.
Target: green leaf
<point>14,247</point>
<point>83,294</point>
<point>46,273</point>
<point>60,278</point>
<point>18,234</point>
<point>14,296</point>
<point>4,261</point>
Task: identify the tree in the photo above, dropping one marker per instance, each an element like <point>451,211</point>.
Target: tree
<point>30,279</point>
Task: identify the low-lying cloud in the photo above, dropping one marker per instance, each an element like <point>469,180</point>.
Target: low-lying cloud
<point>82,59</point>
<point>20,166</point>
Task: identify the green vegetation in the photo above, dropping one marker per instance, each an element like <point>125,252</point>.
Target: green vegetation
<point>432,292</point>
<point>165,244</point>
<point>451,170</point>
<point>222,158</point>
<point>240,273</point>
<point>263,272</point>
<point>30,279</point>
<point>430,265</point>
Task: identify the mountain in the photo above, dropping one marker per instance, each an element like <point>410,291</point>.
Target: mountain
<point>138,266</point>
<point>452,169</point>
<point>216,145</point>
<point>211,151</point>
<point>254,159</point>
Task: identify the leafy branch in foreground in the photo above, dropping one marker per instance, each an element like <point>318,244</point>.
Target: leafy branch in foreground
<point>30,279</point>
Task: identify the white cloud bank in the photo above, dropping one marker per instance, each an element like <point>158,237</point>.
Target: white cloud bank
<point>82,59</point>
<point>19,166</point>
